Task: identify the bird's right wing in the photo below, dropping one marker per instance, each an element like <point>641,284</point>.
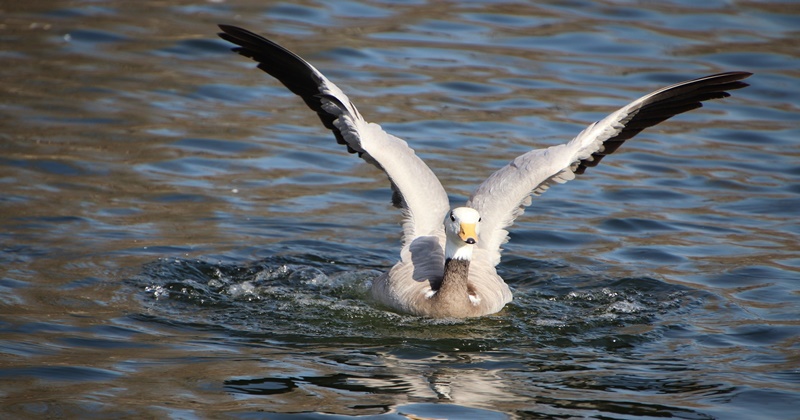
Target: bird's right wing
<point>416,189</point>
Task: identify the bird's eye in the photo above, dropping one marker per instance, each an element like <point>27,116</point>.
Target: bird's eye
<point>479,219</point>
<point>452,218</point>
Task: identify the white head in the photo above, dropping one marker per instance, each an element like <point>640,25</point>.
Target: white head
<point>461,226</point>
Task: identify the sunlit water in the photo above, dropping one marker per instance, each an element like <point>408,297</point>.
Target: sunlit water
<point>182,239</point>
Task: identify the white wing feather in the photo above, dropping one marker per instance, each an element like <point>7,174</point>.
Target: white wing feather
<point>416,189</point>
<point>505,194</point>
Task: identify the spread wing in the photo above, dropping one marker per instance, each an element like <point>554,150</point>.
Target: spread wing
<point>506,193</point>
<point>416,190</point>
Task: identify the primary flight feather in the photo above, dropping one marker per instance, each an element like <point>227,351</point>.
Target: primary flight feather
<point>447,263</point>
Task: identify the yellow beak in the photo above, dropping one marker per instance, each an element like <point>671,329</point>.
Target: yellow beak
<point>467,233</point>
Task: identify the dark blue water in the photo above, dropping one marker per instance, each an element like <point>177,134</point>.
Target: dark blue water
<point>182,239</point>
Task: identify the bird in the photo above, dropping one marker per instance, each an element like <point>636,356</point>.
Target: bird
<point>447,266</point>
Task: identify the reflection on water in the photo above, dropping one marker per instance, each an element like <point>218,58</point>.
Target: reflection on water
<point>334,341</point>
<point>181,239</point>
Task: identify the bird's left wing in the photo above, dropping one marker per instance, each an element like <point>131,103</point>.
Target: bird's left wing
<point>416,190</point>
<point>506,193</point>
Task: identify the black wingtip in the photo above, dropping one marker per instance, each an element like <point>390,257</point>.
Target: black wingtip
<point>230,29</point>
<point>667,103</point>
<point>289,68</point>
<point>227,31</point>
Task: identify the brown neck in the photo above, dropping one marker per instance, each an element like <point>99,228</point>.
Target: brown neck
<point>452,298</point>
<point>454,282</point>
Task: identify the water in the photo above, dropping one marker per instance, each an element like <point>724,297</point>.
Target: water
<point>180,238</point>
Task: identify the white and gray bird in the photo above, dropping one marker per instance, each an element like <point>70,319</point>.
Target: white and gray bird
<point>447,263</point>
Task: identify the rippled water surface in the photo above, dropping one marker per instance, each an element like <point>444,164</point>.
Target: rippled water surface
<point>182,239</point>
